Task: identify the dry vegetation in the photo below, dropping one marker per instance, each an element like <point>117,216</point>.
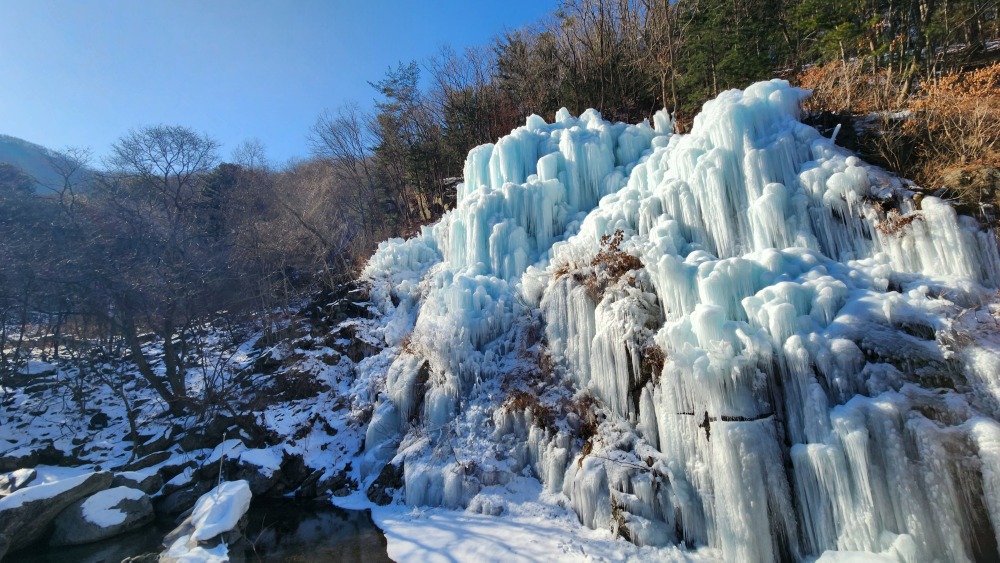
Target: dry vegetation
<point>607,267</point>
<point>945,134</point>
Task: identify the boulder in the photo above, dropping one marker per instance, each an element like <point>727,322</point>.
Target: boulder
<point>389,481</point>
<point>48,454</point>
<point>260,479</point>
<point>17,479</point>
<point>26,514</point>
<point>98,421</point>
<point>180,501</point>
<point>4,545</point>
<point>148,483</point>
<point>170,470</point>
<point>147,461</point>
<point>102,515</point>
<point>214,529</point>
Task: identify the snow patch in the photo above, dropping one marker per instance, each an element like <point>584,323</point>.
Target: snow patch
<point>100,508</point>
<point>220,509</point>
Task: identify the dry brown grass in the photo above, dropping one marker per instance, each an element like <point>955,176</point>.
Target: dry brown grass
<point>957,124</point>
<point>948,139</point>
<point>849,87</point>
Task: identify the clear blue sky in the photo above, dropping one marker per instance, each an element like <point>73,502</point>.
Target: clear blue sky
<point>82,73</point>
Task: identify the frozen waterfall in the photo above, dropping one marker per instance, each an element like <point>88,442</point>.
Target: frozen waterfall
<point>743,337</point>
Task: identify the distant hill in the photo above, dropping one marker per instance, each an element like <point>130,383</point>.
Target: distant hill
<point>34,160</point>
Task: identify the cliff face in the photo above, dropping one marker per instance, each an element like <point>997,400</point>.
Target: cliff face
<point>751,340</point>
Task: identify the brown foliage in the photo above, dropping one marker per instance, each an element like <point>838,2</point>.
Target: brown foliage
<point>653,360</point>
<point>957,124</point>
<point>894,223</point>
<point>849,87</point>
<point>946,135</point>
<point>542,416</point>
<point>609,265</point>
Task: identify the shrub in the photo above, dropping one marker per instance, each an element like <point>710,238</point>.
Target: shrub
<point>542,416</point>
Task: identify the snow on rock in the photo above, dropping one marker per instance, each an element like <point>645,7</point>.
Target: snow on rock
<point>14,480</point>
<point>102,515</point>
<point>180,552</point>
<point>35,367</point>
<point>220,509</point>
<point>101,508</point>
<point>45,491</point>
<point>267,460</point>
<point>26,514</point>
<point>204,536</point>
<point>743,338</point>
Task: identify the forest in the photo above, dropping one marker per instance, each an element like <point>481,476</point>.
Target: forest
<point>167,234</point>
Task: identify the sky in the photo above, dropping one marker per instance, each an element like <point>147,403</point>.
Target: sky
<point>82,73</point>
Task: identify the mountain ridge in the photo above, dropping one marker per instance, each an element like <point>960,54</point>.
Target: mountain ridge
<point>36,161</point>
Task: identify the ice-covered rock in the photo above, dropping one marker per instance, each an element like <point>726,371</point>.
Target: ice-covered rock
<point>750,340</point>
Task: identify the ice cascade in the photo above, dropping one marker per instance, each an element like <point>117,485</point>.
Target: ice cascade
<point>743,337</point>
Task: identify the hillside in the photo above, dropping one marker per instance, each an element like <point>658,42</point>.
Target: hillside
<point>741,343</point>
<point>36,161</point>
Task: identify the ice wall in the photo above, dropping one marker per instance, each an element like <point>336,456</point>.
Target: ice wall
<point>764,360</point>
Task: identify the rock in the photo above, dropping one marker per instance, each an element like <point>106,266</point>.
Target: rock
<point>153,443</point>
<point>180,481</point>
<point>148,461</point>
<point>47,455</point>
<point>216,523</point>
<point>207,435</point>
<point>104,514</point>
<point>291,474</point>
<point>99,420</point>
<point>169,471</point>
<point>147,483</point>
<point>318,484</point>
<point>26,514</point>
<point>261,480</point>
<point>269,472</point>
<point>17,479</point>
<point>182,500</point>
<point>389,480</point>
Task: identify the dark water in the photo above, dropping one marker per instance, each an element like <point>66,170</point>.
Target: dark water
<point>286,531</point>
<point>277,531</point>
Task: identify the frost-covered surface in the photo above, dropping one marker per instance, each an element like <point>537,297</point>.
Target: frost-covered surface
<point>180,552</point>
<point>220,509</point>
<point>532,528</point>
<point>100,508</point>
<point>783,351</point>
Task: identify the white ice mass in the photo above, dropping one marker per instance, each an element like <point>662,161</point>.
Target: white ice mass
<point>753,341</point>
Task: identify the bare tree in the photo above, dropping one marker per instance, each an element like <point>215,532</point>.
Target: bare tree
<point>162,269</point>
